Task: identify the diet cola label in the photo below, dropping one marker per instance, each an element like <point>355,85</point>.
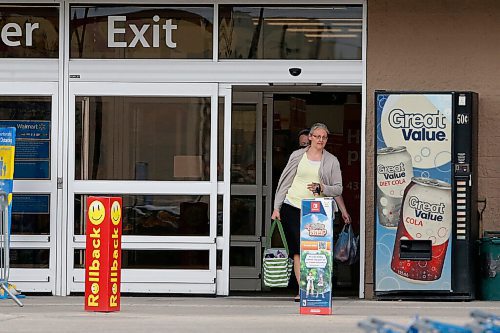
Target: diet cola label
<point>394,173</point>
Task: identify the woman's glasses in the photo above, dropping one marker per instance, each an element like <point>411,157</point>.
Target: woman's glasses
<point>319,137</point>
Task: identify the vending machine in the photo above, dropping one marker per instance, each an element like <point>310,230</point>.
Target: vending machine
<point>425,194</point>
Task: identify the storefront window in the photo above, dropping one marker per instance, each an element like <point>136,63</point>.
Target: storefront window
<point>156,259</point>
<point>31,214</point>
<point>29,32</point>
<point>242,256</point>
<point>220,140</point>
<point>141,32</point>
<point>29,258</point>
<point>300,32</point>
<point>142,138</point>
<point>243,215</point>
<point>243,143</point>
<point>157,215</point>
<point>220,215</point>
<point>30,115</point>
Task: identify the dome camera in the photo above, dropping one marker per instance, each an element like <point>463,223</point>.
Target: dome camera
<point>295,71</point>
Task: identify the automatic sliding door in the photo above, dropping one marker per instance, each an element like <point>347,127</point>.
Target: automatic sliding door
<point>32,109</point>
<point>155,146</point>
<point>248,188</point>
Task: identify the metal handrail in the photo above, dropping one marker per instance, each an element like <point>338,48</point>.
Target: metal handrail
<point>5,247</point>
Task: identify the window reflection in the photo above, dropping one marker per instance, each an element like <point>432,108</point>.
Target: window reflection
<point>220,215</point>
<point>264,144</point>
<point>156,259</point>
<point>157,215</point>
<point>181,32</point>
<point>218,259</point>
<point>30,214</point>
<point>142,138</point>
<point>220,140</point>
<point>277,32</point>
<point>242,256</point>
<point>31,115</point>
<point>243,215</point>
<point>243,143</point>
<point>34,30</point>
<point>29,258</point>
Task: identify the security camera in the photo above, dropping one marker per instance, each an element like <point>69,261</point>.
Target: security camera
<point>295,71</point>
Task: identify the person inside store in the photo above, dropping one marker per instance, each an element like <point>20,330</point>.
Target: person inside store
<point>309,173</point>
<point>304,138</point>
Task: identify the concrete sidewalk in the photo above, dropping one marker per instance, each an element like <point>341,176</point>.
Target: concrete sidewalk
<point>221,314</point>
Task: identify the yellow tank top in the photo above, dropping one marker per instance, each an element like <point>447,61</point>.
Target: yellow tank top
<point>307,173</point>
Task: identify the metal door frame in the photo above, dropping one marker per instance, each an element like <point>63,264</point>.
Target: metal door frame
<point>147,280</point>
<point>39,279</point>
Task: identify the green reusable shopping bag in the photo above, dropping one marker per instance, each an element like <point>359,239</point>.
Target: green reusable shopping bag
<point>276,265</point>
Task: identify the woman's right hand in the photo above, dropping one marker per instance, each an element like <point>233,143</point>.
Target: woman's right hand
<point>346,217</point>
<point>276,215</point>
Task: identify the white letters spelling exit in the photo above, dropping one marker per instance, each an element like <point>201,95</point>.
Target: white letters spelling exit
<point>139,33</point>
<point>12,34</point>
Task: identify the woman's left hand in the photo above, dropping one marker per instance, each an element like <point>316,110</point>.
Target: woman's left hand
<point>315,188</point>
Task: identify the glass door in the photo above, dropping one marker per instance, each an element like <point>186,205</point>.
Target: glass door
<point>32,108</point>
<point>155,145</point>
<point>250,208</point>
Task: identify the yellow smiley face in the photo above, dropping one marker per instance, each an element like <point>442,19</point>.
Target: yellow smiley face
<point>96,212</point>
<point>116,212</point>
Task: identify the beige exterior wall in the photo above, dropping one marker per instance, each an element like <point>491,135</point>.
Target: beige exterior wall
<point>437,45</point>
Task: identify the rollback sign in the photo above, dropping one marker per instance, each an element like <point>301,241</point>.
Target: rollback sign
<point>103,254</point>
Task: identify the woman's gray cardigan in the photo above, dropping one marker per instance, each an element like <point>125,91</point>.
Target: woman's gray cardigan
<point>329,174</point>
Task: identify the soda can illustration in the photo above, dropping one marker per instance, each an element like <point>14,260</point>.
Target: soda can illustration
<point>426,214</point>
<point>394,173</point>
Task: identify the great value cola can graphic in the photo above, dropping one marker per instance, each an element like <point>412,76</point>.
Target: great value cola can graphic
<point>394,173</point>
<point>425,215</point>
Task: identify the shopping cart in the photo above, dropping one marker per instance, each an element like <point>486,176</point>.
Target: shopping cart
<point>418,325</point>
<point>5,247</point>
<point>484,322</point>
<point>375,325</point>
<point>426,325</point>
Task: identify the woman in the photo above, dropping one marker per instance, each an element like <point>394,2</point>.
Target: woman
<point>309,173</point>
<point>304,142</point>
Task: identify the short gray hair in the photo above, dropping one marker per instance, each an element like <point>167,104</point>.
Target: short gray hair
<point>319,126</point>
